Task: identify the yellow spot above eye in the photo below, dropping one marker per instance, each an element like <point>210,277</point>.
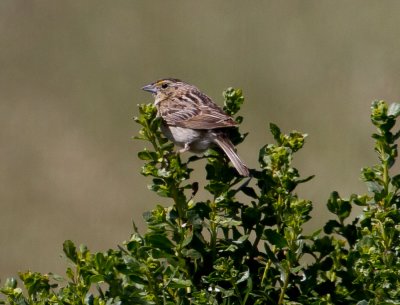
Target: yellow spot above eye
<point>160,82</point>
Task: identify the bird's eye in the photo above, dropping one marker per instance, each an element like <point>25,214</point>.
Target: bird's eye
<point>165,85</point>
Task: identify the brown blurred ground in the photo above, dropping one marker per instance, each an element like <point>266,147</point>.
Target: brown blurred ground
<point>70,78</point>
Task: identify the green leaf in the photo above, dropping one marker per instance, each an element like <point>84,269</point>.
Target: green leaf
<point>326,264</point>
<point>241,239</point>
<point>276,132</point>
<point>181,283</point>
<point>360,200</point>
<point>97,278</point>
<point>159,241</point>
<point>394,110</point>
<point>330,226</point>
<point>333,204</point>
<point>70,274</point>
<point>187,240</point>
<point>10,283</point>
<point>324,245</point>
<point>233,100</point>
<point>379,111</point>
<point>275,238</point>
<point>227,222</point>
<point>340,207</point>
<point>192,253</point>
<point>299,181</point>
<point>243,276</point>
<point>295,141</point>
<point>374,187</point>
<point>147,155</point>
<point>396,181</point>
<point>35,282</point>
<point>70,251</point>
<point>251,216</point>
<point>249,191</point>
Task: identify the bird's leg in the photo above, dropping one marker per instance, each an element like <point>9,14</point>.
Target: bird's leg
<point>178,152</point>
<point>184,149</point>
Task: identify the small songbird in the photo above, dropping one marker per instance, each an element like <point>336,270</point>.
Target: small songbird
<point>192,120</point>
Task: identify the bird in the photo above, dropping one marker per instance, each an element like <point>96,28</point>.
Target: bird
<point>192,121</point>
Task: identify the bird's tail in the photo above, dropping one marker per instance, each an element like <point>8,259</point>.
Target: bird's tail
<point>227,146</point>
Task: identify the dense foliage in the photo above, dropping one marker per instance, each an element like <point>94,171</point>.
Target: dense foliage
<point>250,251</point>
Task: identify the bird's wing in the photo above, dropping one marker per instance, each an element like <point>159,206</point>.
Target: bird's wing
<point>194,110</point>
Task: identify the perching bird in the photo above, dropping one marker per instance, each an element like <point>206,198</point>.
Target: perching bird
<point>192,120</point>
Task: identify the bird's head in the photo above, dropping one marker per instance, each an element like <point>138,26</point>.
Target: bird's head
<point>164,87</point>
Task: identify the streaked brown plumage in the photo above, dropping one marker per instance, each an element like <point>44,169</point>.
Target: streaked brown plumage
<point>192,120</point>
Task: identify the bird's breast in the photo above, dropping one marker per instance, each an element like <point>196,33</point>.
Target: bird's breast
<point>198,140</point>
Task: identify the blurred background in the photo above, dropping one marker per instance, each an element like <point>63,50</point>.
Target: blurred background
<point>70,79</point>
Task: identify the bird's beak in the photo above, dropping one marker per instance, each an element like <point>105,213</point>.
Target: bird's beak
<point>150,88</point>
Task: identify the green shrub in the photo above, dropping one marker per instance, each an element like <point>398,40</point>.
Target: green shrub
<point>253,251</point>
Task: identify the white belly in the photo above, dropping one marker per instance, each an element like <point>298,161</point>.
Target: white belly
<point>198,140</point>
